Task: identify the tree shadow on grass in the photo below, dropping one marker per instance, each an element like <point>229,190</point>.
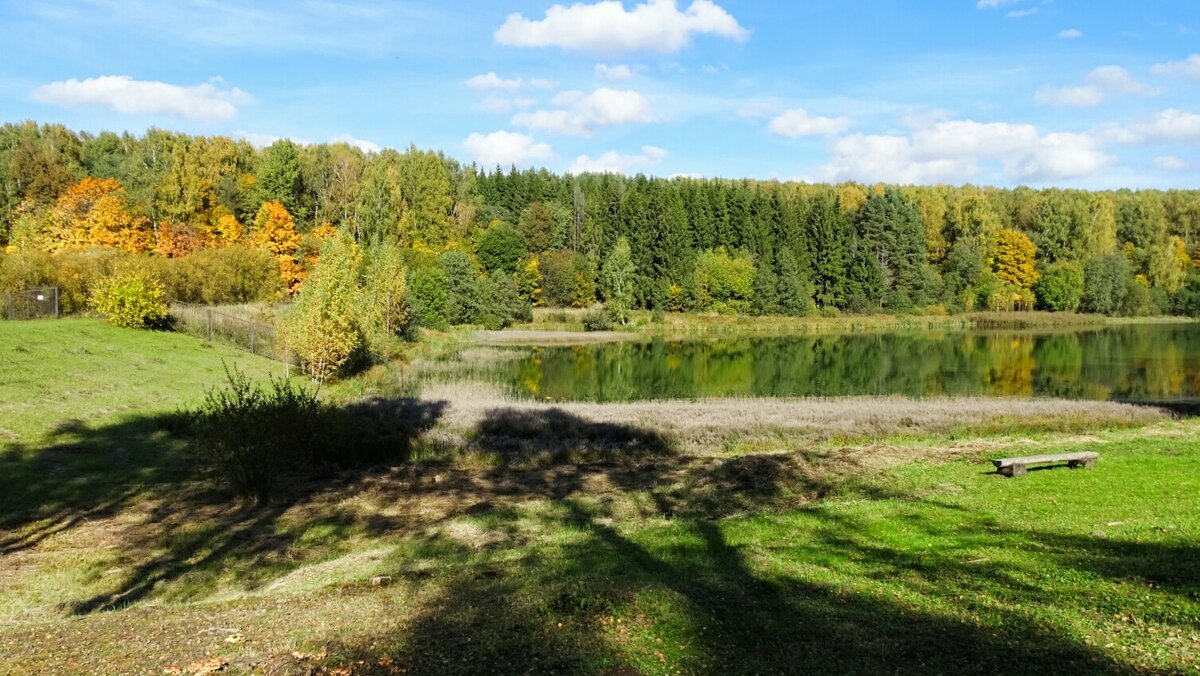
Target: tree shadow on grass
<point>692,594</point>
<point>180,521</point>
<point>692,601</point>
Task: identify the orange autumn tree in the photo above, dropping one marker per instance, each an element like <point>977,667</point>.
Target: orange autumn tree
<point>92,212</point>
<point>275,231</point>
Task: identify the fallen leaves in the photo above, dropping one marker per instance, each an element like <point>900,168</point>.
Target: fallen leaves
<point>210,666</point>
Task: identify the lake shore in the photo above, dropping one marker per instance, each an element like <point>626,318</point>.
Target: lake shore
<point>560,325</point>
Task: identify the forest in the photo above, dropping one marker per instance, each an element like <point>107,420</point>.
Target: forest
<point>222,221</point>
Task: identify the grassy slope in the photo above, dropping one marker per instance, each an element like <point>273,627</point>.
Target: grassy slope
<point>926,566</point>
<point>86,370</point>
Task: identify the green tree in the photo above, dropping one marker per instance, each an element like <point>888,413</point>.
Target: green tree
<point>1107,283</point>
<point>278,178</point>
<point>538,226</point>
<point>501,248</point>
<point>325,327</point>
<point>1060,288</point>
<point>795,290</point>
<point>617,280</point>
<point>465,301</point>
<point>428,293</point>
<point>385,292</point>
<point>724,283</point>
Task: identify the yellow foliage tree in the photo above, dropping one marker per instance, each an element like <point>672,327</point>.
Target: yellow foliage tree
<point>228,229</point>
<point>530,281</point>
<point>1015,259</point>
<point>92,212</point>
<point>275,231</point>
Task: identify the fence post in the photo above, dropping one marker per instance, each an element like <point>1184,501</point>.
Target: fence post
<point>252,350</point>
<point>56,302</point>
<point>10,307</point>
<point>209,314</point>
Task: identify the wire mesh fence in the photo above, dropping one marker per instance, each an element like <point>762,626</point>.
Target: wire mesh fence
<point>253,336</point>
<point>37,303</point>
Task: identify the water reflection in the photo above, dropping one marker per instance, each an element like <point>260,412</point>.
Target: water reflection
<point>1147,362</point>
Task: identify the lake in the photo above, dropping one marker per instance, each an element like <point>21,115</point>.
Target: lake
<point>1137,362</point>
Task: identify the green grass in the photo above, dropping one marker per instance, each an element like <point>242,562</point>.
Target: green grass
<point>117,556</point>
<point>87,371</point>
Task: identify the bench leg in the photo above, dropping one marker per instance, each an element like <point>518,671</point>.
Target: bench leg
<point>1075,464</point>
<point>1012,470</point>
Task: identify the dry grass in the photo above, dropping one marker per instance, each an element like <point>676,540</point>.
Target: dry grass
<point>531,337</point>
<point>707,426</point>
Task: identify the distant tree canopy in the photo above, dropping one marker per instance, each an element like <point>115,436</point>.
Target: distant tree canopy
<point>700,244</point>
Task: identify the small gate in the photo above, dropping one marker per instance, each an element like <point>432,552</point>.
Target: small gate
<point>39,303</point>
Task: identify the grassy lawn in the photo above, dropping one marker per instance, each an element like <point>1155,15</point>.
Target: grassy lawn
<point>893,551</point>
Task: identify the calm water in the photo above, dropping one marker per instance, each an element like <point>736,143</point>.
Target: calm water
<point>1141,363</point>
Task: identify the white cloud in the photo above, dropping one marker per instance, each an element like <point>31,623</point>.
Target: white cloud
<point>993,4</point>
<point>797,122</point>
<point>614,72</point>
<point>264,140</point>
<point>1171,125</point>
<point>953,151</point>
<point>1170,163</point>
<point>756,109</point>
<point>1070,34</point>
<point>365,146</point>
<point>583,114</point>
<point>490,81</point>
<point>503,148</point>
<point>613,162</point>
<point>606,26</point>
<point>923,119</point>
<point>1082,96</point>
<point>148,97</point>
<point>1189,68</point>
<point>1099,85</point>
<point>1021,13</point>
<point>499,105</point>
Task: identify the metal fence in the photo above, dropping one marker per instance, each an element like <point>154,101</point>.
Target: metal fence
<point>39,303</point>
<point>258,337</point>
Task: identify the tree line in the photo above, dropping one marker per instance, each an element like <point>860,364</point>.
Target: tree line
<point>472,237</point>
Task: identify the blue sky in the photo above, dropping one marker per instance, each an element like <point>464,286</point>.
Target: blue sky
<point>1078,93</point>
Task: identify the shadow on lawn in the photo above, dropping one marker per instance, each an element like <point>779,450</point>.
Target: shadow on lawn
<point>597,599</point>
<point>612,604</point>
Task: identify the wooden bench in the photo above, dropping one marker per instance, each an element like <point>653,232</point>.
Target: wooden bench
<point>1019,466</point>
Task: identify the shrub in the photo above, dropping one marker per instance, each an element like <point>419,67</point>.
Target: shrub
<point>226,275</point>
<point>597,319</point>
<point>133,299</point>
<point>251,436</point>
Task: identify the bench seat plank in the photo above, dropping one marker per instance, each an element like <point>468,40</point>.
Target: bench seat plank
<point>1038,459</point>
